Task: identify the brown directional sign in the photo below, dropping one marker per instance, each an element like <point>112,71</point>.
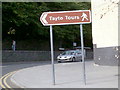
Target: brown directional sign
<point>66,17</point>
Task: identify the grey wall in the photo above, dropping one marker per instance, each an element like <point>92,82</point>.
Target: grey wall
<point>11,56</point>
<point>106,56</point>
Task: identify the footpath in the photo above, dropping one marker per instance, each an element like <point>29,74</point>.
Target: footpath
<point>68,75</point>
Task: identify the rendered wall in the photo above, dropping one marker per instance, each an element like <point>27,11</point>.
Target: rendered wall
<point>105,31</point>
<point>119,32</point>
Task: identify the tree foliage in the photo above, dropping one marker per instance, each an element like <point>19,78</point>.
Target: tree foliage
<point>23,18</point>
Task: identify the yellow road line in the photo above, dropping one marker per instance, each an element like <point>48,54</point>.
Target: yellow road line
<point>4,78</point>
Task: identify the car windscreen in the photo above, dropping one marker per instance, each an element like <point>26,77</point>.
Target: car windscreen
<point>68,53</point>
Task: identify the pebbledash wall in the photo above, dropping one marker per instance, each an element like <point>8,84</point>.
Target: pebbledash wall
<point>18,56</point>
<point>105,31</point>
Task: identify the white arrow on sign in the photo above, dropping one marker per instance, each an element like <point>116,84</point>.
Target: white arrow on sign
<point>43,18</point>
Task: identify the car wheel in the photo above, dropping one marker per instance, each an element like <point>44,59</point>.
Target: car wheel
<point>73,59</point>
<point>81,60</point>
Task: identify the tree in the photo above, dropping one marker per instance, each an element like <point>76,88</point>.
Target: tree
<point>23,18</point>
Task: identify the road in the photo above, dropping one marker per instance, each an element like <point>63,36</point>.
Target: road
<point>9,67</point>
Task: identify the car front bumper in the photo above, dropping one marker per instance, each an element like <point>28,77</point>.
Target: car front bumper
<point>69,59</point>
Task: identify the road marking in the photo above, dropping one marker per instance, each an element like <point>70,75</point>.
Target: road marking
<point>1,81</point>
<point>4,79</point>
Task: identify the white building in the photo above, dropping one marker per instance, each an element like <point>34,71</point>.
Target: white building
<point>105,31</point>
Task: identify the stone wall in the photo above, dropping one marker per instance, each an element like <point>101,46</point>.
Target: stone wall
<point>16,56</point>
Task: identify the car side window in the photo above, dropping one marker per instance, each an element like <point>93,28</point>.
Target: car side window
<point>78,52</point>
<point>72,53</point>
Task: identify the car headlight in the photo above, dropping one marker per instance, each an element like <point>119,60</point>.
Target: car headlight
<point>58,57</point>
<point>68,57</point>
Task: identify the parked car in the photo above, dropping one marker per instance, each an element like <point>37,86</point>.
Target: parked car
<point>71,55</point>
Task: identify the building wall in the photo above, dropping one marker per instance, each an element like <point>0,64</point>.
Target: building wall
<point>105,31</point>
<point>119,32</point>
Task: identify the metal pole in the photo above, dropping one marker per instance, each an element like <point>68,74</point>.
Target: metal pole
<point>82,48</point>
<point>52,56</point>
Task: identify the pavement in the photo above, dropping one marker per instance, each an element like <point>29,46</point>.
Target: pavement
<point>68,75</point>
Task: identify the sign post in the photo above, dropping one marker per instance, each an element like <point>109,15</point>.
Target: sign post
<point>52,55</point>
<point>82,48</point>
<point>65,18</point>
